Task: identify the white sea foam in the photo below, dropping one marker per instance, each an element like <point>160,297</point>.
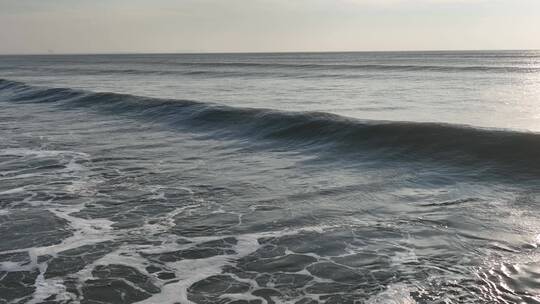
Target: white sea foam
<point>394,294</point>
<point>192,271</point>
<point>46,288</point>
<point>11,266</point>
<point>39,153</point>
<point>86,231</point>
<point>14,190</point>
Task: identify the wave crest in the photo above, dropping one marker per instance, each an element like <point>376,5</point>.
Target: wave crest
<point>342,136</point>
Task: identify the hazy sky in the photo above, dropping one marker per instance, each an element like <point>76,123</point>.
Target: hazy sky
<point>90,26</point>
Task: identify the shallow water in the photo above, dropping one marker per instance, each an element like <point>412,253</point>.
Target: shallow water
<point>213,181</point>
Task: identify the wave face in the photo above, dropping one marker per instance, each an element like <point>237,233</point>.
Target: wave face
<point>510,151</point>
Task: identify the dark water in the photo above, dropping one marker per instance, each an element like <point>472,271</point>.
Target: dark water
<point>270,178</point>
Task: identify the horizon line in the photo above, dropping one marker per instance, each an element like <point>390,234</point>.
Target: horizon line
<point>257,52</point>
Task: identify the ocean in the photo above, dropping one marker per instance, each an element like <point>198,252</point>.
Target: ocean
<point>383,177</point>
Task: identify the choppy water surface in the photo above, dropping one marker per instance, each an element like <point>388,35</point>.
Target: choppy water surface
<point>211,178</point>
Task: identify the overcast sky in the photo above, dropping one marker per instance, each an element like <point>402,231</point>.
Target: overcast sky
<point>104,26</point>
